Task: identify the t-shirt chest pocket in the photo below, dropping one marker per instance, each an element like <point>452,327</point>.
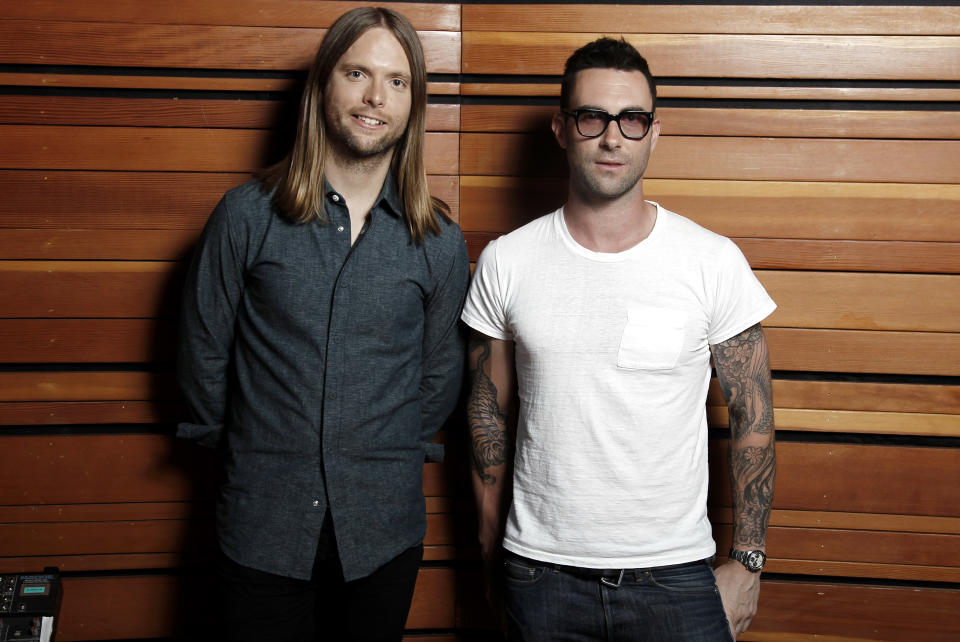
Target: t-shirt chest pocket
<point>652,339</point>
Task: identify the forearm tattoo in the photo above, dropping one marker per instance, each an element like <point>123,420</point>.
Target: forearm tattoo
<point>754,470</point>
<point>488,423</point>
<point>743,371</point>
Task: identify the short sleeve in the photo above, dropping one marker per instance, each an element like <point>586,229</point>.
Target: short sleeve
<point>740,299</point>
<point>484,309</point>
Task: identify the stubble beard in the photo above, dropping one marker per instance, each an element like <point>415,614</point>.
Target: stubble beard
<point>593,186</point>
<point>355,148</point>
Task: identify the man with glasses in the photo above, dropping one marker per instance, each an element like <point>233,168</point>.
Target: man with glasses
<point>593,329</point>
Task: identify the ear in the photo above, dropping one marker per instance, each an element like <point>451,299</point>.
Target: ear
<point>654,133</point>
<point>558,125</point>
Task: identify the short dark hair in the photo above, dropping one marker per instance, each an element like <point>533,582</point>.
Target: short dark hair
<point>604,53</point>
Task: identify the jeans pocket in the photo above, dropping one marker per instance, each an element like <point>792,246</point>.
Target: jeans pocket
<point>520,572</point>
<point>697,578</point>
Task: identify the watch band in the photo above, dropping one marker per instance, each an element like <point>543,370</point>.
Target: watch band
<point>753,561</point>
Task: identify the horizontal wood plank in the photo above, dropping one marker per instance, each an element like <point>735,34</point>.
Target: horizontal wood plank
<point>25,413</point>
<point>691,18</point>
<point>57,42</point>
<point>853,422</point>
<point>733,158</point>
<point>166,149</point>
<point>853,521</point>
<point>729,55</point>
<point>864,351</point>
<point>829,611</point>
<point>89,340</point>
<point>175,112</point>
<point>20,387</point>
<point>288,13</point>
<point>743,209</point>
<point>192,82</point>
<point>856,301</point>
<point>689,121</point>
<point>904,480</point>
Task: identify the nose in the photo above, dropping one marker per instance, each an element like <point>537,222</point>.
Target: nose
<point>611,138</point>
<point>373,93</point>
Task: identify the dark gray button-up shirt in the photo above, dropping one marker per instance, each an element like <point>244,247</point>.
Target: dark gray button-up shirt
<point>323,371</point>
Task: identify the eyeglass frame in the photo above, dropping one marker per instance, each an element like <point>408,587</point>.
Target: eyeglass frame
<point>575,113</point>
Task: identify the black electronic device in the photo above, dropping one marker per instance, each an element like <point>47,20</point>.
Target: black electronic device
<point>29,605</point>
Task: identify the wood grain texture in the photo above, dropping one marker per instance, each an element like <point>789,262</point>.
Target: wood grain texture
<point>175,112</point>
<point>854,301</point>
<point>729,56</point>
<point>272,13</point>
<point>903,480</point>
<point>60,42</point>
<point>653,18</point>
<point>734,158</point>
<point>853,422</point>
<point>43,386</point>
<point>864,351</point>
<point>825,611</point>
<point>98,340</point>
<point>743,209</point>
<point>166,149</point>
<point>25,413</point>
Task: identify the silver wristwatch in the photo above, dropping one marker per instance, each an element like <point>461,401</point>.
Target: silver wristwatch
<point>753,561</point>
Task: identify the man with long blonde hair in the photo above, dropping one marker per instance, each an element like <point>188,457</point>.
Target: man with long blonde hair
<point>320,350</point>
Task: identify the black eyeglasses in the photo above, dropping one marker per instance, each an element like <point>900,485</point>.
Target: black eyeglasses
<point>633,123</point>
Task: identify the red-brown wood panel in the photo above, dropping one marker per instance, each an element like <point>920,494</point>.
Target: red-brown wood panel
<point>729,56</point>
<point>275,13</point>
<point>55,42</point>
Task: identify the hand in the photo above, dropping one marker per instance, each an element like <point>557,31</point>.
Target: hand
<point>739,591</point>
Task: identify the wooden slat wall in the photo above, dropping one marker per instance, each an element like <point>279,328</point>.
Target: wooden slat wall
<point>823,139</point>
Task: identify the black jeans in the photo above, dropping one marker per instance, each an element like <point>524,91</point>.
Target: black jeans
<point>258,606</point>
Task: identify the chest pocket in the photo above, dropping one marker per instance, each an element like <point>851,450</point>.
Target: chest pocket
<point>652,339</point>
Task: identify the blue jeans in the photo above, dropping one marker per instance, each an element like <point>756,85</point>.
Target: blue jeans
<point>552,603</point>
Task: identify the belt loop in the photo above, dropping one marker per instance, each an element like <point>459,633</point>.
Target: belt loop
<point>610,582</point>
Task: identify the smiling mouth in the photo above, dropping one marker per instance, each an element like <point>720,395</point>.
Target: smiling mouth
<point>373,122</point>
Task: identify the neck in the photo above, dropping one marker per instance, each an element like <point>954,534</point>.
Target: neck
<point>356,177</point>
<point>609,225</point>
<point>359,181</point>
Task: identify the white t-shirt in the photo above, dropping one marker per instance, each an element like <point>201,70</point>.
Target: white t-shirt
<point>613,363</point>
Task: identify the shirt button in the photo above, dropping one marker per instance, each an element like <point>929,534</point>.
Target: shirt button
<point>316,503</point>
<point>339,228</point>
<point>335,198</point>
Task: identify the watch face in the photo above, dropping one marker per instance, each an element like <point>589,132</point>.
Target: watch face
<point>755,560</point>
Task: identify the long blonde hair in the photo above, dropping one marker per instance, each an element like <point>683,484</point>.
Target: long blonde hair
<point>298,178</point>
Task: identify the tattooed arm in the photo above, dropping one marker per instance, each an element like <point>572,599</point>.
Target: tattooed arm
<point>490,416</point>
<point>743,370</point>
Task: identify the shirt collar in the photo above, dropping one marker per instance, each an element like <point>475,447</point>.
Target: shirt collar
<point>389,199</point>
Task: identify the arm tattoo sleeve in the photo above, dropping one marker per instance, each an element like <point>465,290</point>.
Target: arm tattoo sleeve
<point>743,371</point>
<point>488,424</point>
